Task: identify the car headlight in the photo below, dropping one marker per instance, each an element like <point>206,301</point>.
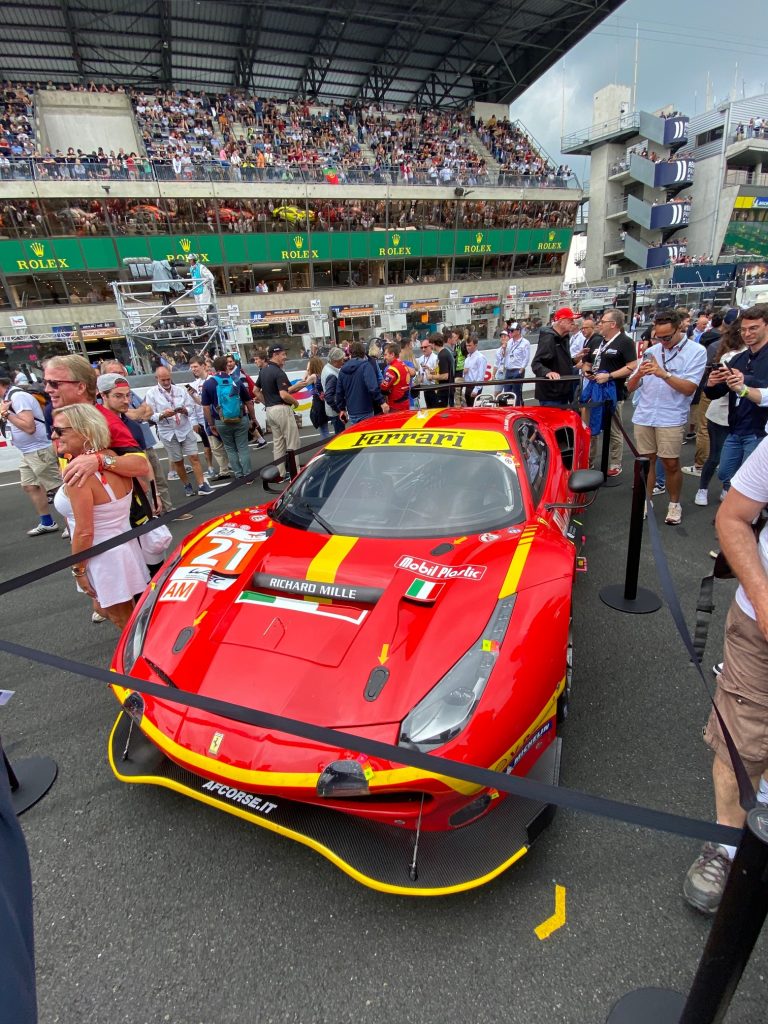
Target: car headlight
<point>134,642</point>
<point>449,705</point>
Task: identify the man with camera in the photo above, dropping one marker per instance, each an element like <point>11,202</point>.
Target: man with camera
<point>173,410</point>
<point>667,376</point>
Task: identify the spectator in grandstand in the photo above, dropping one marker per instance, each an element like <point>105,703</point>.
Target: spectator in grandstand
<point>667,376</point>
<point>97,511</point>
<point>553,360</point>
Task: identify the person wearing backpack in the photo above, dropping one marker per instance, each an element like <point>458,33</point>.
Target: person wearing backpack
<point>228,412</point>
<point>39,470</point>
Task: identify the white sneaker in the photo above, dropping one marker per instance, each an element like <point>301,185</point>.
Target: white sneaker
<point>95,617</point>
<point>40,529</point>
<point>210,472</point>
<point>171,475</point>
<point>702,497</point>
<point>674,514</point>
<point>692,470</point>
<point>65,533</point>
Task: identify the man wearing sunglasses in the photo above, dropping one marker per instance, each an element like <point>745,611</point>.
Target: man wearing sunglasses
<point>70,380</point>
<point>668,377</point>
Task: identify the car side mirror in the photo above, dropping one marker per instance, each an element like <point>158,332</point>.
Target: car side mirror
<point>581,481</point>
<point>270,476</point>
<point>584,481</point>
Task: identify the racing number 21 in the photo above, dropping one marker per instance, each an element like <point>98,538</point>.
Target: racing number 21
<point>217,556</point>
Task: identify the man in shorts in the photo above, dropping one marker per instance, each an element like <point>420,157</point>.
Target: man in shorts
<point>39,469</point>
<point>174,411</point>
<point>742,686</point>
<point>667,376</point>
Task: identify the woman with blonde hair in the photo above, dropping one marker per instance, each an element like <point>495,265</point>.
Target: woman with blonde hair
<point>97,509</point>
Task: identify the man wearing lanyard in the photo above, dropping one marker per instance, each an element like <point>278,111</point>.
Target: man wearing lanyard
<point>516,359</point>
<point>667,376</point>
<point>173,411</point>
<point>611,358</point>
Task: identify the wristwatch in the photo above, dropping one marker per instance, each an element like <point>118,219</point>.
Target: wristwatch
<point>667,374</point>
<point>744,392</point>
<point>107,461</point>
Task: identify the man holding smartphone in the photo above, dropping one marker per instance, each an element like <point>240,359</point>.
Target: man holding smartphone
<point>742,380</point>
<point>174,412</point>
<point>668,376</point>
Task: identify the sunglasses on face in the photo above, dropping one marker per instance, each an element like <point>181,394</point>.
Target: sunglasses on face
<point>54,385</point>
<point>59,431</point>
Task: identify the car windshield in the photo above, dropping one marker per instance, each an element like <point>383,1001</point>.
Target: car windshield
<point>404,492</point>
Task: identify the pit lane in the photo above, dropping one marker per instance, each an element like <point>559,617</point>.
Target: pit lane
<point>151,908</point>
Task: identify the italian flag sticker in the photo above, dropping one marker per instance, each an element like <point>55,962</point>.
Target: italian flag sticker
<point>423,590</point>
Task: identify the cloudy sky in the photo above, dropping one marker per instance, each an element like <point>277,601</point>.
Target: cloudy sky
<point>680,41</point>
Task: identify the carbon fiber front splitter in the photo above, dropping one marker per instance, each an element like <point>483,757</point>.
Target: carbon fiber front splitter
<point>375,854</point>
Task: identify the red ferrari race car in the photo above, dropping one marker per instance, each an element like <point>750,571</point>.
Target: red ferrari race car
<point>411,585</point>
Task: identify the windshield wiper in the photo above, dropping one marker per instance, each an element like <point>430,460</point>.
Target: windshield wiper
<point>315,515</point>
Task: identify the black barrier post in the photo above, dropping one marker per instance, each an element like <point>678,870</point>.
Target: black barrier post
<point>608,481</point>
<point>291,465</point>
<point>629,597</point>
<point>30,780</point>
<point>735,930</point>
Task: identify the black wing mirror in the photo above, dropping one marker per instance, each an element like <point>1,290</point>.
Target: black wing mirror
<point>581,481</point>
<point>584,481</point>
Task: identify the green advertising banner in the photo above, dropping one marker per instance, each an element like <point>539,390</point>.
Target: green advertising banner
<point>750,236</point>
<point>63,254</point>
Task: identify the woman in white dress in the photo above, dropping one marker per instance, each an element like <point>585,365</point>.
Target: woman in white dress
<point>98,509</point>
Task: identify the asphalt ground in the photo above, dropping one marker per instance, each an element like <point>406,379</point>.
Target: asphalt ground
<point>151,907</point>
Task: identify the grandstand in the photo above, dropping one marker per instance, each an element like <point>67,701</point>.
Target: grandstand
<point>333,202</point>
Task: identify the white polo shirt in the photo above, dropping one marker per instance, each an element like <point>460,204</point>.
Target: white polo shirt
<point>751,480</point>
<point>474,367</point>
<point>659,405</point>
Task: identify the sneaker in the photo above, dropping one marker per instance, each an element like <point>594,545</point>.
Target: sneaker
<point>674,514</point>
<point>40,529</point>
<point>221,476</point>
<point>205,488</point>
<point>614,470</point>
<point>702,497</point>
<point>722,495</point>
<point>658,489</point>
<point>717,669</point>
<point>704,884</point>
<point>692,470</point>
<point>210,473</point>
<point>65,533</point>
<point>187,468</point>
<point>171,475</point>
<point>690,436</point>
<point>261,443</point>
<point>98,618</point>
<point>189,491</point>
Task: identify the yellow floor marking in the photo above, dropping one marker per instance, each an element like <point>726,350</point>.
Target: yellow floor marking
<point>545,929</point>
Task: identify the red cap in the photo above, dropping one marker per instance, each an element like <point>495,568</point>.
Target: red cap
<point>565,313</point>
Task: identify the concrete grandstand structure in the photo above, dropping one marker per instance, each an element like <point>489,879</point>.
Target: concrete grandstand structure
<point>355,162</point>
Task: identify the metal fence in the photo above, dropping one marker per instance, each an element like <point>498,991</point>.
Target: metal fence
<point>222,171</point>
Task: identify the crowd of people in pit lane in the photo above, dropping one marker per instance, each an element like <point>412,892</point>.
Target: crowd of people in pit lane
<point>708,369</point>
<point>238,137</point>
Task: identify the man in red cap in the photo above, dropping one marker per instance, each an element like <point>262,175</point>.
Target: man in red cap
<point>553,360</point>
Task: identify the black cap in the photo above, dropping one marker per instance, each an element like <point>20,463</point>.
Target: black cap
<point>274,349</point>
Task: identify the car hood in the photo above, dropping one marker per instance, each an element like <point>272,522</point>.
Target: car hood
<point>342,631</point>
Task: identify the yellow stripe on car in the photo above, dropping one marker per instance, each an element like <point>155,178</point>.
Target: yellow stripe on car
<point>516,566</point>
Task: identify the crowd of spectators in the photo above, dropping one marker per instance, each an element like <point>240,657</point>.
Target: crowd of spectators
<point>237,137</point>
